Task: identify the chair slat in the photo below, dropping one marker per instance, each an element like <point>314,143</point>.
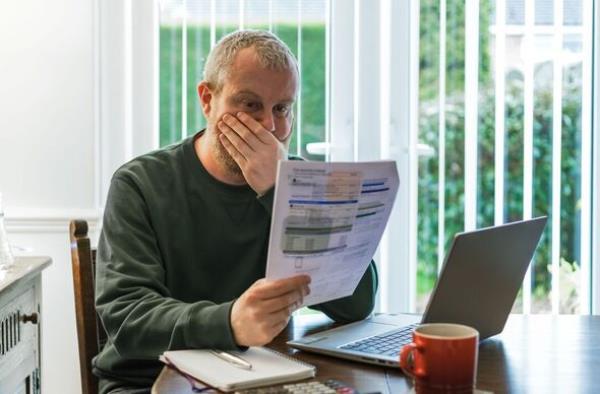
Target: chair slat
<point>90,334</point>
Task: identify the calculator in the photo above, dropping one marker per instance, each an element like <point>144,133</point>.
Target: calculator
<point>330,386</point>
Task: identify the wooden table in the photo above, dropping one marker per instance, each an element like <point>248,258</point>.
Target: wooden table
<point>537,353</point>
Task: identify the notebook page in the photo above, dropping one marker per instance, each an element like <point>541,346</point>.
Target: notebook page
<point>268,367</point>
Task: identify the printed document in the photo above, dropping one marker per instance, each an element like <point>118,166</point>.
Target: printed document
<point>328,219</point>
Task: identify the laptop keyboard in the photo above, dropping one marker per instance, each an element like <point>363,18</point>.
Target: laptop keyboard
<point>389,343</point>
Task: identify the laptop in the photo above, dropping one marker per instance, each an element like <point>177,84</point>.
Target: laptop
<point>477,286</point>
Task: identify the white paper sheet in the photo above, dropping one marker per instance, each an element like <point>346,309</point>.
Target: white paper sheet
<point>328,219</point>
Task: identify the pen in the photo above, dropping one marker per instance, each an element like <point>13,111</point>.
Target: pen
<point>232,358</point>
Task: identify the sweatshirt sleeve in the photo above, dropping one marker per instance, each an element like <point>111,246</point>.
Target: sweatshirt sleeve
<point>357,306</point>
<point>136,309</point>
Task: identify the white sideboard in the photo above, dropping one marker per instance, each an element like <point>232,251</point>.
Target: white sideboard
<point>20,318</point>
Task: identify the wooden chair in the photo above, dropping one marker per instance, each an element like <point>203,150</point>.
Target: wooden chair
<point>91,336</point>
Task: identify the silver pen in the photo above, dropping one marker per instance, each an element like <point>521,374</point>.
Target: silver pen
<point>232,358</point>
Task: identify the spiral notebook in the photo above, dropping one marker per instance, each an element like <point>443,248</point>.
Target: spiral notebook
<point>268,368</point>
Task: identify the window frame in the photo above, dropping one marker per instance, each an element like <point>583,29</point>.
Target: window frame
<point>355,89</point>
<point>126,61</point>
<point>595,244</point>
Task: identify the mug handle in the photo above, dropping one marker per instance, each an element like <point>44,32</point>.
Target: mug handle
<point>409,368</point>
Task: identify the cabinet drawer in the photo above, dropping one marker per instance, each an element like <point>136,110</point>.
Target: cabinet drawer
<point>18,331</point>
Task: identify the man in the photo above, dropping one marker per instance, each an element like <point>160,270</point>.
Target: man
<point>182,254</point>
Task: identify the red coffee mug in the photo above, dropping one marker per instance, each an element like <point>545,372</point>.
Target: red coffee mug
<point>442,358</point>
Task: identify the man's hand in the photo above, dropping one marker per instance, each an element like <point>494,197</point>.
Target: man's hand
<point>265,308</point>
<point>253,148</point>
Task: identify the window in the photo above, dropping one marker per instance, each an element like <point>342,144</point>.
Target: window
<point>484,104</point>
<point>507,111</point>
<point>188,29</point>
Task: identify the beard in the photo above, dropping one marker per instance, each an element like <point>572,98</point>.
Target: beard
<point>223,157</point>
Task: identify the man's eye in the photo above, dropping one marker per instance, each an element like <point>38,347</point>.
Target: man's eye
<point>282,109</point>
<point>251,105</point>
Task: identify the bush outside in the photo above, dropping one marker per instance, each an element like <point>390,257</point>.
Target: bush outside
<point>513,171</point>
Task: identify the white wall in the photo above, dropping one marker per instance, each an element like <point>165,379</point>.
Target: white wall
<point>47,154</point>
<point>46,104</point>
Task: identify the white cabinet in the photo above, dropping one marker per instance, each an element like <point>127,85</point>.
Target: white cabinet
<point>20,318</point>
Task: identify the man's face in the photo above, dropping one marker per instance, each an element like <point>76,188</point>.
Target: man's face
<point>266,95</point>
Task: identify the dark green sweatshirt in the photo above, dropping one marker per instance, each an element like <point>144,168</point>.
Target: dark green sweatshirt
<point>176,248</point>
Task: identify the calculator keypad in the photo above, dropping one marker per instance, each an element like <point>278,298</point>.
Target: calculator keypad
<point>327,387</point>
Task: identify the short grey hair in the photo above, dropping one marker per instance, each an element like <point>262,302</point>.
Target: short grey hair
<point>272,53</point>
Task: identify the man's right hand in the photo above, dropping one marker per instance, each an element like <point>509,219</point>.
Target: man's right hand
<point>265,308</point>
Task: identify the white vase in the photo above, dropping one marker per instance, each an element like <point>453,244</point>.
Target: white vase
<point>6,256</point>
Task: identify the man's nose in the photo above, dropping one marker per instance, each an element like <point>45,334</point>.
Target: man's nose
<point>267,121</point>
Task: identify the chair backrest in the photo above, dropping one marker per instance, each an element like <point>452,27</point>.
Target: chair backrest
<point>90,335</point>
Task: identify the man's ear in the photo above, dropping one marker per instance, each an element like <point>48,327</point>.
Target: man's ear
<point>205,95</point>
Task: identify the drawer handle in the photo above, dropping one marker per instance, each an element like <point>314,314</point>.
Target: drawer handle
<point>32,318</point>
